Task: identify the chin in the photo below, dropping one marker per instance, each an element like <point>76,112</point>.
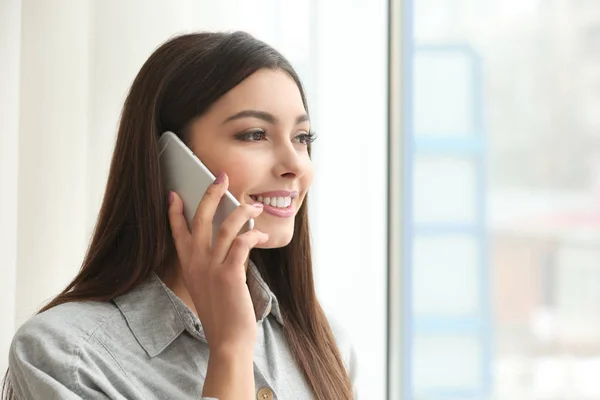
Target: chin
<point>276,240</point>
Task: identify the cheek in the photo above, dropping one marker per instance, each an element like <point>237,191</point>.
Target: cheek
<point>307,178</point>
<point>243,175</point>
<point>222,157</point>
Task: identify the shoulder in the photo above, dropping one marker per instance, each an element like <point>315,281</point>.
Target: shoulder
<point>54,354</point>
<point>60,330</point>
<point>73,320</point>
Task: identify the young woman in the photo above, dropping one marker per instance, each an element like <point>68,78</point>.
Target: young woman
<point>157,310</point>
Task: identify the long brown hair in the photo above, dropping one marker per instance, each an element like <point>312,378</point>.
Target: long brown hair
<point>131,240</point>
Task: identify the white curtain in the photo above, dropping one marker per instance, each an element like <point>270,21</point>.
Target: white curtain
<point>65,68</point>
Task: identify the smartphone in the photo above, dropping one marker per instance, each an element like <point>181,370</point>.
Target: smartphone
<point>182,172</point>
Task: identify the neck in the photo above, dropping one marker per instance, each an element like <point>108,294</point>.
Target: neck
<point>173,278</point>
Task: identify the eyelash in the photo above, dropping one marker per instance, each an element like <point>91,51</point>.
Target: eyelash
<point>310,137</point>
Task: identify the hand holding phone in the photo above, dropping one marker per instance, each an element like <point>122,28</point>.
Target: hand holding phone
<point>212,256</point>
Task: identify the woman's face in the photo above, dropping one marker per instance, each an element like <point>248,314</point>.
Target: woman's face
<point>258,133</point>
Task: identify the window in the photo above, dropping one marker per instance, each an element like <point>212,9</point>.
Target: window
<point>502,181</point>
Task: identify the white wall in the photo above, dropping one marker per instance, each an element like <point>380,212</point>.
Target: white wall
<point>77,62</point>
<point>54,111</point>
<point>10,43</point>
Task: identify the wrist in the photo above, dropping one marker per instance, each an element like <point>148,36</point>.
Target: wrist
<point>227,352</point>
<point>230,373</point>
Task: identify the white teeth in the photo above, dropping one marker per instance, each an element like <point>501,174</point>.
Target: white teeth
<point>279,202</point>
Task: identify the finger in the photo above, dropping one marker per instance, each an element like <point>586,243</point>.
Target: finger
<point>241,246</point>
<point>205,212</point>
<point>231,227</point>
<point>179,229</point>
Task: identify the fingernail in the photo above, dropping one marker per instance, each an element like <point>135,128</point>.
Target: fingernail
<point>220,178</point>
<point>171,198</point>
<point>258,205</point>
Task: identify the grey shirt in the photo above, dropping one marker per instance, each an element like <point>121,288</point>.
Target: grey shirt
<point>147,344</point>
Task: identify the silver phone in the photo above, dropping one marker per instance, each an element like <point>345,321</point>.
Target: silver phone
<point>182,172</point>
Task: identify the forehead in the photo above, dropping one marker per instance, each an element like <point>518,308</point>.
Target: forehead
<point>273,91</point>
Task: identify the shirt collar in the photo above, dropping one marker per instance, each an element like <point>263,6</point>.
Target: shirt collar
<point>156,316</point>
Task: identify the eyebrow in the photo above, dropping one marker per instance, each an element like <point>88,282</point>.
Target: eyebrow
<point>265,116</point>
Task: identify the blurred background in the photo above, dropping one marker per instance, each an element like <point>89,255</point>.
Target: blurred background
<point>456,205</point>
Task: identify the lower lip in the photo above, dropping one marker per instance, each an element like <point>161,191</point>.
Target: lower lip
<point>279,212</point>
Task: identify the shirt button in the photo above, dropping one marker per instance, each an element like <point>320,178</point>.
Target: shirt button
<point>265,394</point>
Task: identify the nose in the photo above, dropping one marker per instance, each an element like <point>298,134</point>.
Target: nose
<point>291,162</point>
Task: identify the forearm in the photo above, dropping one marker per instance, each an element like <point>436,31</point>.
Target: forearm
<point>230,375</point>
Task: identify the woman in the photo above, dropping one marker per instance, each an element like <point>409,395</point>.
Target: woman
<point>153,296</point>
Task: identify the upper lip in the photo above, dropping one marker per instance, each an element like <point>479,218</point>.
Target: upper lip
<point>278,193</point>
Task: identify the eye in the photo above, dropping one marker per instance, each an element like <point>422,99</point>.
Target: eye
<point>252,136</point>
<point>305,138</point>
